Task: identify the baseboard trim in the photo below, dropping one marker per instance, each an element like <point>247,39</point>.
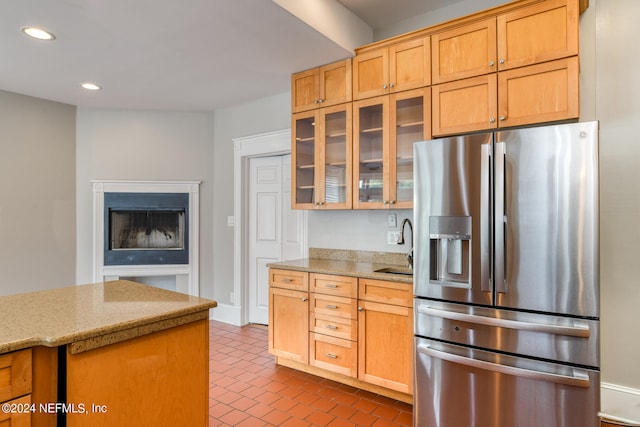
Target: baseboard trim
<point>620,404</point>
<point>227,313</point>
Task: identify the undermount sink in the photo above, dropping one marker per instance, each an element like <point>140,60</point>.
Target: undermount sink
<point>395,270</point>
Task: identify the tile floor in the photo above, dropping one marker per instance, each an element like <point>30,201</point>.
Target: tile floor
<point>248,389</point>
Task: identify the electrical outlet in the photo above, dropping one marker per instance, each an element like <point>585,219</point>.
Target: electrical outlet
<point>392,220</point>
<point>393,237</point>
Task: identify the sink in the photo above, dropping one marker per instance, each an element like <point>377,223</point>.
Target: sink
<point>395,270</point>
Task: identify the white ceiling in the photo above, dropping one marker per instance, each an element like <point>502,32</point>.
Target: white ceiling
<point>169,55</point>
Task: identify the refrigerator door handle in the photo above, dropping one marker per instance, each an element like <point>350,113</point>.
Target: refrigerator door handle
<point>580,331</point>
<point>485,218</point>
<point>499,218</point>
<point>579,379</point>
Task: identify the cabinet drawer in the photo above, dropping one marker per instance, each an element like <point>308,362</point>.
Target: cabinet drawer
<point>20,417</point>
<point>333,354</point>
<point>334,285</point>
<point>289,279</point>
<point>334,306</point>
<point>334,326</point>
<point>15,374</point>
<point>386,292</point>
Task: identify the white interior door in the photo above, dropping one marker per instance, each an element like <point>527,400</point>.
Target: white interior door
<point>275,231</point>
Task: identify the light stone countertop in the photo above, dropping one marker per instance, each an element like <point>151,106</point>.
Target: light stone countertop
<point>350,263</point>
<point>93,315</point>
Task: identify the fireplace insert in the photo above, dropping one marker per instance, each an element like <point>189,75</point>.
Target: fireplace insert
<point>146,228</point>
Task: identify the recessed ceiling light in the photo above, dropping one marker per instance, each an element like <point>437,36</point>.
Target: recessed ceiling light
<point>90,86</point>
<point>38,33</point>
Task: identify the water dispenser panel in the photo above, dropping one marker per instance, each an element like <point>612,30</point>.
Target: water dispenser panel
<point>450,240</point>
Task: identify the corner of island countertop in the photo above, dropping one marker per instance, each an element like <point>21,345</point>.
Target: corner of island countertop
<point>113,310</point>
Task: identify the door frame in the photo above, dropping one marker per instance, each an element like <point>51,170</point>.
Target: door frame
<point>261,145</point>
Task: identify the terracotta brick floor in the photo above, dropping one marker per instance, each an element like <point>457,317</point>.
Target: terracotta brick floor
<point>248,389</point>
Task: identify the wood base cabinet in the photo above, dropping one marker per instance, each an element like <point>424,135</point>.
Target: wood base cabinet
<point>15,388</point>
<point>160,379</point>
<point>289,315</point>
<point>385,334</point>
<point>352,330</point>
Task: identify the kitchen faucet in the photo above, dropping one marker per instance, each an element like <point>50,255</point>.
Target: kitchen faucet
<point>401,240</point>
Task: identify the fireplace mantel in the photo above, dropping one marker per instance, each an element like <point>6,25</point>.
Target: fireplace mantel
<point>186,275</point>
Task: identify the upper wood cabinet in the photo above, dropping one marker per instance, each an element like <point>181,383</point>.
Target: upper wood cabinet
<point>539,93</point>
<point>465,105</point>
<point>463,52</point>
<point>384,131</point>
<point>392,69</point>
<point>321,87</point>
<point>322,158</point>
<point>541,32</point>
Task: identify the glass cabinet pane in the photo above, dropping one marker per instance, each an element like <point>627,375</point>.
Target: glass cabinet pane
<point>305,159</point>
<point>370,179</point>
<point>335,166</point>
<point>409,129</point>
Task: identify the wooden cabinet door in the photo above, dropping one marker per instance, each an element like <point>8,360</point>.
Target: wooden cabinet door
<point>335,83</point>
<point>334,158</point>
<point>305,90</point>
<point>304,152</point>
<point>371,153</point>
<point>464,52</point>
<point>539,93</point>
<point>410,65</point>
<point>289,324</point>
<point>385,338</point>
<point>371,74</point>
<point>542,32</point>
<point>410,121</point>
<point>18,418</point>
<point>465,105</point>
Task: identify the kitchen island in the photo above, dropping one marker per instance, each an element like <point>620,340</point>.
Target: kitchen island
<point>113,353</point>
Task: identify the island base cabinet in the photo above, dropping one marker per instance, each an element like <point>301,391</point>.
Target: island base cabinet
<point>17,418</point>
<point>160,379</point>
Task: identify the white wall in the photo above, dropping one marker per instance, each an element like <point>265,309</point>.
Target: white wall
<point>144,145</point>
<point>37,197</point>
<point>261,116</point>
<point>617,94</point>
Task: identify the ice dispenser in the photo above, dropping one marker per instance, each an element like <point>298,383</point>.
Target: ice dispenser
<point>450,239</point>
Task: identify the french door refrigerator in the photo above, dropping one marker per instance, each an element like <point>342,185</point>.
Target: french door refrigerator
<point>506,279</point>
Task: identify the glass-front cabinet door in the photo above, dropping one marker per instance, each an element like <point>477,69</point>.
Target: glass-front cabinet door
<point>322,155</point>
<point>303,153</point>
<point>335,154</point>
<point>371,152</point>
<point>410,122</point>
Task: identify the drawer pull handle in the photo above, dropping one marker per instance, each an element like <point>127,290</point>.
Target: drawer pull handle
<point>332,307</point>
<point>332,327</point>
<point>331,356</point>
<point>331,285</point>
<point>286,280</point>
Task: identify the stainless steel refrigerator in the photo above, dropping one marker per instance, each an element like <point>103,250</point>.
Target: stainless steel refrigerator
<point>506,279</point>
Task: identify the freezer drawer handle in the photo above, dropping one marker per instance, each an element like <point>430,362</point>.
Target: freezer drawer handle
<point>578,380</point>
<point>581,331</point>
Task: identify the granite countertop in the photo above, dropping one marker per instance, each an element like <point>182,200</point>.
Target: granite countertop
<point>350,263</point>
<point>89,316</point>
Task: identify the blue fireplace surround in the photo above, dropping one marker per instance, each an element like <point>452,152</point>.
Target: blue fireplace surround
<point>162,202</point>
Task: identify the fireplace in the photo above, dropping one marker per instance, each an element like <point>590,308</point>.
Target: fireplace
<point>147,231</point>
<point>146,228</point>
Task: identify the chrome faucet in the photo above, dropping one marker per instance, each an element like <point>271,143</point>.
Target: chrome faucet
<point>401,240</point>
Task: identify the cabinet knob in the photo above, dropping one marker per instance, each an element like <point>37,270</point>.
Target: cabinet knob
<point>391,85</point>
<point>503,118</point>
<point>384,86</point>
<point>315,101</point>
<point>392,202</point>
<point>384,202</point>
<point>492,120</point>
<point>305,299</point>
<point>360,309</point>
<point>491,63</point>
<point>502,60</point>
<point>320,101</point>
